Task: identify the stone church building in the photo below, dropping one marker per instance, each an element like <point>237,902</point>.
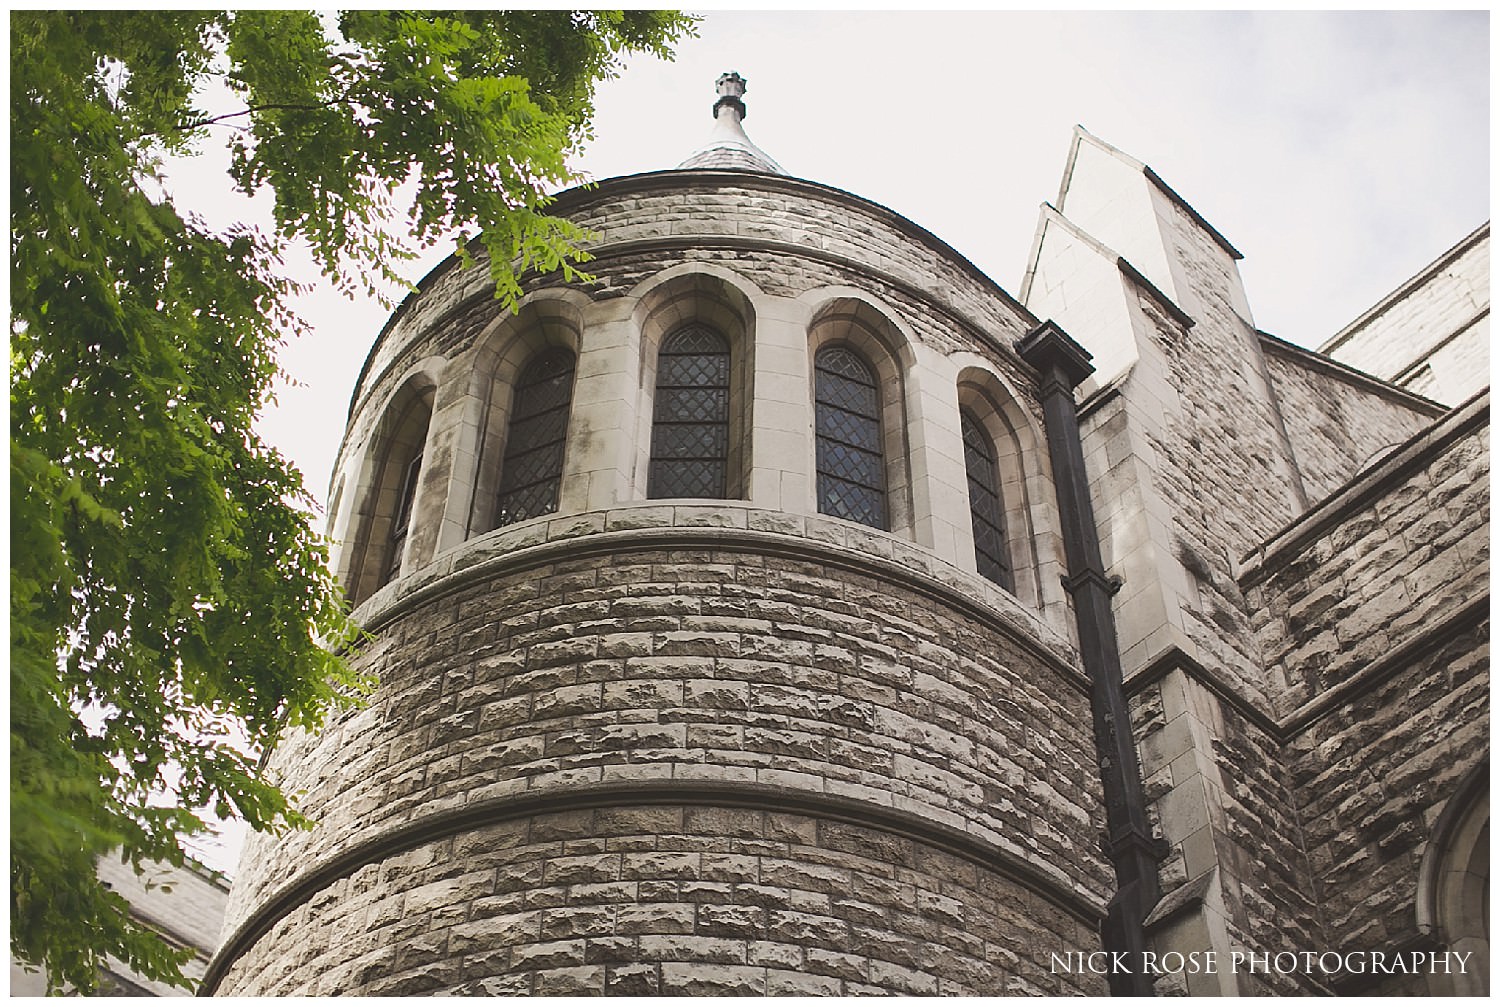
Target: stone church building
<point>792,610</point>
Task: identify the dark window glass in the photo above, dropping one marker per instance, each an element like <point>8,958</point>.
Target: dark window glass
<point>531,471</point>
<point>851,467</point>
<point>984,502</point>
<point>690,421</point>
<point>402,521</point>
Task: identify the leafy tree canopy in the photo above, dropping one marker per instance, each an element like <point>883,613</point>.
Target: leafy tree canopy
<point>167,590</point>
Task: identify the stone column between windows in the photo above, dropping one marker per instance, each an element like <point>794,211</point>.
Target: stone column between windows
<point>456,422</point>
<point>599,462</point>
<point>940,486</point>
<point>781,417</point>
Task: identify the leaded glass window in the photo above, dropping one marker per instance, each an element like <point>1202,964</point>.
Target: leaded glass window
<point>531,471</point>
<point>402,520</point>
<point>851,465</point>
<point>984,502</point>
<point>690,420</point>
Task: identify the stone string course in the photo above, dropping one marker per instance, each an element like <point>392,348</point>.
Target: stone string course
<point>1425,337</point>
<point>669,900</point>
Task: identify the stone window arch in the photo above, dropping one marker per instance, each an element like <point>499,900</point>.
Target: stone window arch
<point>391,503</point>
<point>862,334</point>
<point>691,410</point>
<point>536,441</point>
<point>989,413</point>
<point>668,309</point>
<point>850,457</point>
<point>1453,884</point>
<point>986,506</point>
<point>548,327</point>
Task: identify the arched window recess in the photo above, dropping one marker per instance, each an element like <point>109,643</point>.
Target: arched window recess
<point>850,457</point>
<point>386,505</point>
<point>986,511</point>
<point>690,420</point>
<point>401,523</point>
<point>531,472</point>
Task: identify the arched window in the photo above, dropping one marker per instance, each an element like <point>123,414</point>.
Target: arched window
<point>401,522</point>
<point>385,505</point>
<point>690,420</point>
<point>991,554</point>
<point>851,464</point>
<point>531,472</point>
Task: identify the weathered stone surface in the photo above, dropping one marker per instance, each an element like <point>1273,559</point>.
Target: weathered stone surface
<point>659,933</point>
<point>768,662</point>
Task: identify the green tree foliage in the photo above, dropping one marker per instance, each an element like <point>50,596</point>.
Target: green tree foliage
<point>167,589</point>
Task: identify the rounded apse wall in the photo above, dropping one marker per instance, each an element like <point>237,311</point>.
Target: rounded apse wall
<point>646,745</point>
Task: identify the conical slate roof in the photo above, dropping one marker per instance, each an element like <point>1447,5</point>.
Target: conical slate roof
<point>728,147</point>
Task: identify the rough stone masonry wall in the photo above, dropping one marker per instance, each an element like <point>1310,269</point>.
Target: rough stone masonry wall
<point>1249,827</point>
<point>669,900</point>
<point>630,664</point>
<point>1227,478</point>
<point>785,235</point>
<point>1420,316</point>
<point>1335,425</point>
<point>1373,611</point>
<point>1221,477</point>
<point>797,220</point>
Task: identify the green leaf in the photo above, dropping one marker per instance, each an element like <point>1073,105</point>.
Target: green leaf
<point>165,575</point>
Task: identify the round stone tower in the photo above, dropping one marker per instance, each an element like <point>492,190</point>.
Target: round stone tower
<point>718,614</point>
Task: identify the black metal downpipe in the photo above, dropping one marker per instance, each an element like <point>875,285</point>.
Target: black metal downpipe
<point>1061,364</point>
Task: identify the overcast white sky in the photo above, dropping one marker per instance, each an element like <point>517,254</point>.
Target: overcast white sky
<point>1340,152</point>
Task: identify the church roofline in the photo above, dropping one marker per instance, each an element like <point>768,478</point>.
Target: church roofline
<point>1318,360</point>
<point>1051,215</point>
<point>1397,465</point>
<point>1406,289</point>
<point>581,196</point>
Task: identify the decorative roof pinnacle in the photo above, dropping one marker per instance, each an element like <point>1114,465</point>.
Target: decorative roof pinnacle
<point>731,87</point>
<point>728,147</point>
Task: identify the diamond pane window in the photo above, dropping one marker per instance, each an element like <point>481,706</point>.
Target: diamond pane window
<point>532,469</point>
<point>690,421</point>
<point>984,502</point>
<point>851,466</point>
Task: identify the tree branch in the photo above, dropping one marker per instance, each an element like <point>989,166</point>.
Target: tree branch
<point>214,119</point>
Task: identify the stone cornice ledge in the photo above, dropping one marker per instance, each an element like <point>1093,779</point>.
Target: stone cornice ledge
<point>1375,673</point>
<point>648,526</point>
<point>1162,300</point>
<point>1341,371</point>
<point>1364,489</point>
<point>1481,233</point>
<point>582,197</point>
<point>1359,683</point>
<point>969,843</point>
